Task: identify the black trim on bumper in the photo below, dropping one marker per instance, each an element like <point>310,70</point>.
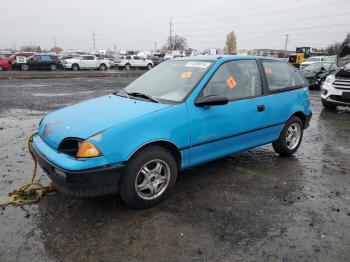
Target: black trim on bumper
<point>85,183</point>
<point>307,120</point>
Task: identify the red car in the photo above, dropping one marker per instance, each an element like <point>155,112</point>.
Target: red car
<point>4,63</point>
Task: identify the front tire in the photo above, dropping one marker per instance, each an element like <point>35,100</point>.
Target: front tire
<point>148,178</point>
<point>1,68</point>
<point>75,67</point>
<point>53,67</point>
<point>149,66</point>
<point>127,67</point>
<point>24,67</point>
<point>290,137</point>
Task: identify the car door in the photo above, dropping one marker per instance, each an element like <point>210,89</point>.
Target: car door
<point>85,62</point>
<point>245,122</point>
<point>135,61</point>
<point>34,63</point>
<point>45,62</point>
<point>285,86</point>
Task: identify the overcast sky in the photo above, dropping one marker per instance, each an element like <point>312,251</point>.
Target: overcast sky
<point>137,24</point>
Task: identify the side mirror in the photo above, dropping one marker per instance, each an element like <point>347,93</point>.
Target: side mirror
<point>211,101</point>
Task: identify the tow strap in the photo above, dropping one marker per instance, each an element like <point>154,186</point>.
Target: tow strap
<point>30,192</point>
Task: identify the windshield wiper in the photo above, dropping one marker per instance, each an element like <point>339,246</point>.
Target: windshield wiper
<point>137,94</point>
<point>125,94</point>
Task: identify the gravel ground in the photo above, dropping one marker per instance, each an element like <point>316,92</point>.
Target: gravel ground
<point>253,206</point>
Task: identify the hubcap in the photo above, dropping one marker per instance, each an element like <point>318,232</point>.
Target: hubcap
<point>152,179</point>
<point>293,136</point>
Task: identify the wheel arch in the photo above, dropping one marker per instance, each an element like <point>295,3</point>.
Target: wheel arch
<point>302,117</point>
<point>170,146</point>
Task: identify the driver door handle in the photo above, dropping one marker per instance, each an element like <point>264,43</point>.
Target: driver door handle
<point>260,108</point>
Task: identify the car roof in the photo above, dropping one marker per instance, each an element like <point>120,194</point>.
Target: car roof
<point>222,57</point>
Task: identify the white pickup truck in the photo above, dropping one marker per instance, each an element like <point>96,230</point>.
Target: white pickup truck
<point>87,62</point>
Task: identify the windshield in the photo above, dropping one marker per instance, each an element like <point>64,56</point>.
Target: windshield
<point>313,59</point>
<point>318,66</point>
<point>171,80</point>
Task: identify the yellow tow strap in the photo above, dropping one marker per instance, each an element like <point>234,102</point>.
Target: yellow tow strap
<point>30,192</point>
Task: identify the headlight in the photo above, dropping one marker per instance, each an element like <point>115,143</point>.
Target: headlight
<point>330,79</point>
<point>88,149</point>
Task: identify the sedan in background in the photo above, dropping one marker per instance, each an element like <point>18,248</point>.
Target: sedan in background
<point>40,62</point>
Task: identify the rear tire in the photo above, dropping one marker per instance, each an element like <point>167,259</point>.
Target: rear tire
<point>148,178</point>
<point>327,105</point>
<point>290,137</point>
<point>103,67</point>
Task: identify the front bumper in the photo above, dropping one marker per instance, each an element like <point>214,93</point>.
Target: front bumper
<point>334,96</point>
<point>84,183</point>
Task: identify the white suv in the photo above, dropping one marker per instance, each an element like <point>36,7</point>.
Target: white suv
<point>133,61</point>
<point>336,88</point>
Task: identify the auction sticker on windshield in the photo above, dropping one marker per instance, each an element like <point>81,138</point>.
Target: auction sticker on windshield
<point>199,64</point>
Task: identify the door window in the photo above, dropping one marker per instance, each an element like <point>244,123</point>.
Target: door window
<point>36,58</point>
<point>235,80</point>
<point>281,75</point>
<point>45,58</point>
<point>136,58</point>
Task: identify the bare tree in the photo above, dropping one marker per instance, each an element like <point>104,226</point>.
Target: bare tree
<point>177,43</point>
<point>231,44</point>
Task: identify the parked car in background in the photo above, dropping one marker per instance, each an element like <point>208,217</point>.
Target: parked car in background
<point>132,61</point>
<point>157,59</point>
<point>183,113</point>
<point>336,88</point>
<point>40,62</point>
<point>316,73</point>
<point>4,63</point>
<point>87,62</point>
<point>19,58</point>
<point>311,60</point>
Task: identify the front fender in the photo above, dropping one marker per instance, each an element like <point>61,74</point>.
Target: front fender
<point>118,143</point>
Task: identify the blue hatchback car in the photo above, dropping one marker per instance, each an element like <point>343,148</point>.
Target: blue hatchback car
<point>182,113</point>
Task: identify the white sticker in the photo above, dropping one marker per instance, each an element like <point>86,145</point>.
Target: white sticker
<point>21,59</point>
<point>199,64</point>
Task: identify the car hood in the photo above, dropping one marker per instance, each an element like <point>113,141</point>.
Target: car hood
<point>71,60</point>
<point>87,118</point>
<point>343,56</point>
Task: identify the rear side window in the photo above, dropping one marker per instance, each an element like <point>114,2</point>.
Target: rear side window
<point>45,58</point>
<point>235,80</point>
<point>281,75</point>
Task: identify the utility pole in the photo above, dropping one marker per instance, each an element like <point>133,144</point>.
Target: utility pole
<point>170,34</point>
<point>285,45</point>
<point>155,46</point>
<point>54,42</point>
<point>94,40</point>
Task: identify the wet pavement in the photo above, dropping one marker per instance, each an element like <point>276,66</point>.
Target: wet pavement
<point>254,206</point>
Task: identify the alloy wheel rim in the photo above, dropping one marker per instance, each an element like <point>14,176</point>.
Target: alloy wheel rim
<point>152,179</point>
<point>293,136</point>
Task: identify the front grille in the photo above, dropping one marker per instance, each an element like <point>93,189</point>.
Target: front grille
<point>342,83</point>
<point>340,98</point>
